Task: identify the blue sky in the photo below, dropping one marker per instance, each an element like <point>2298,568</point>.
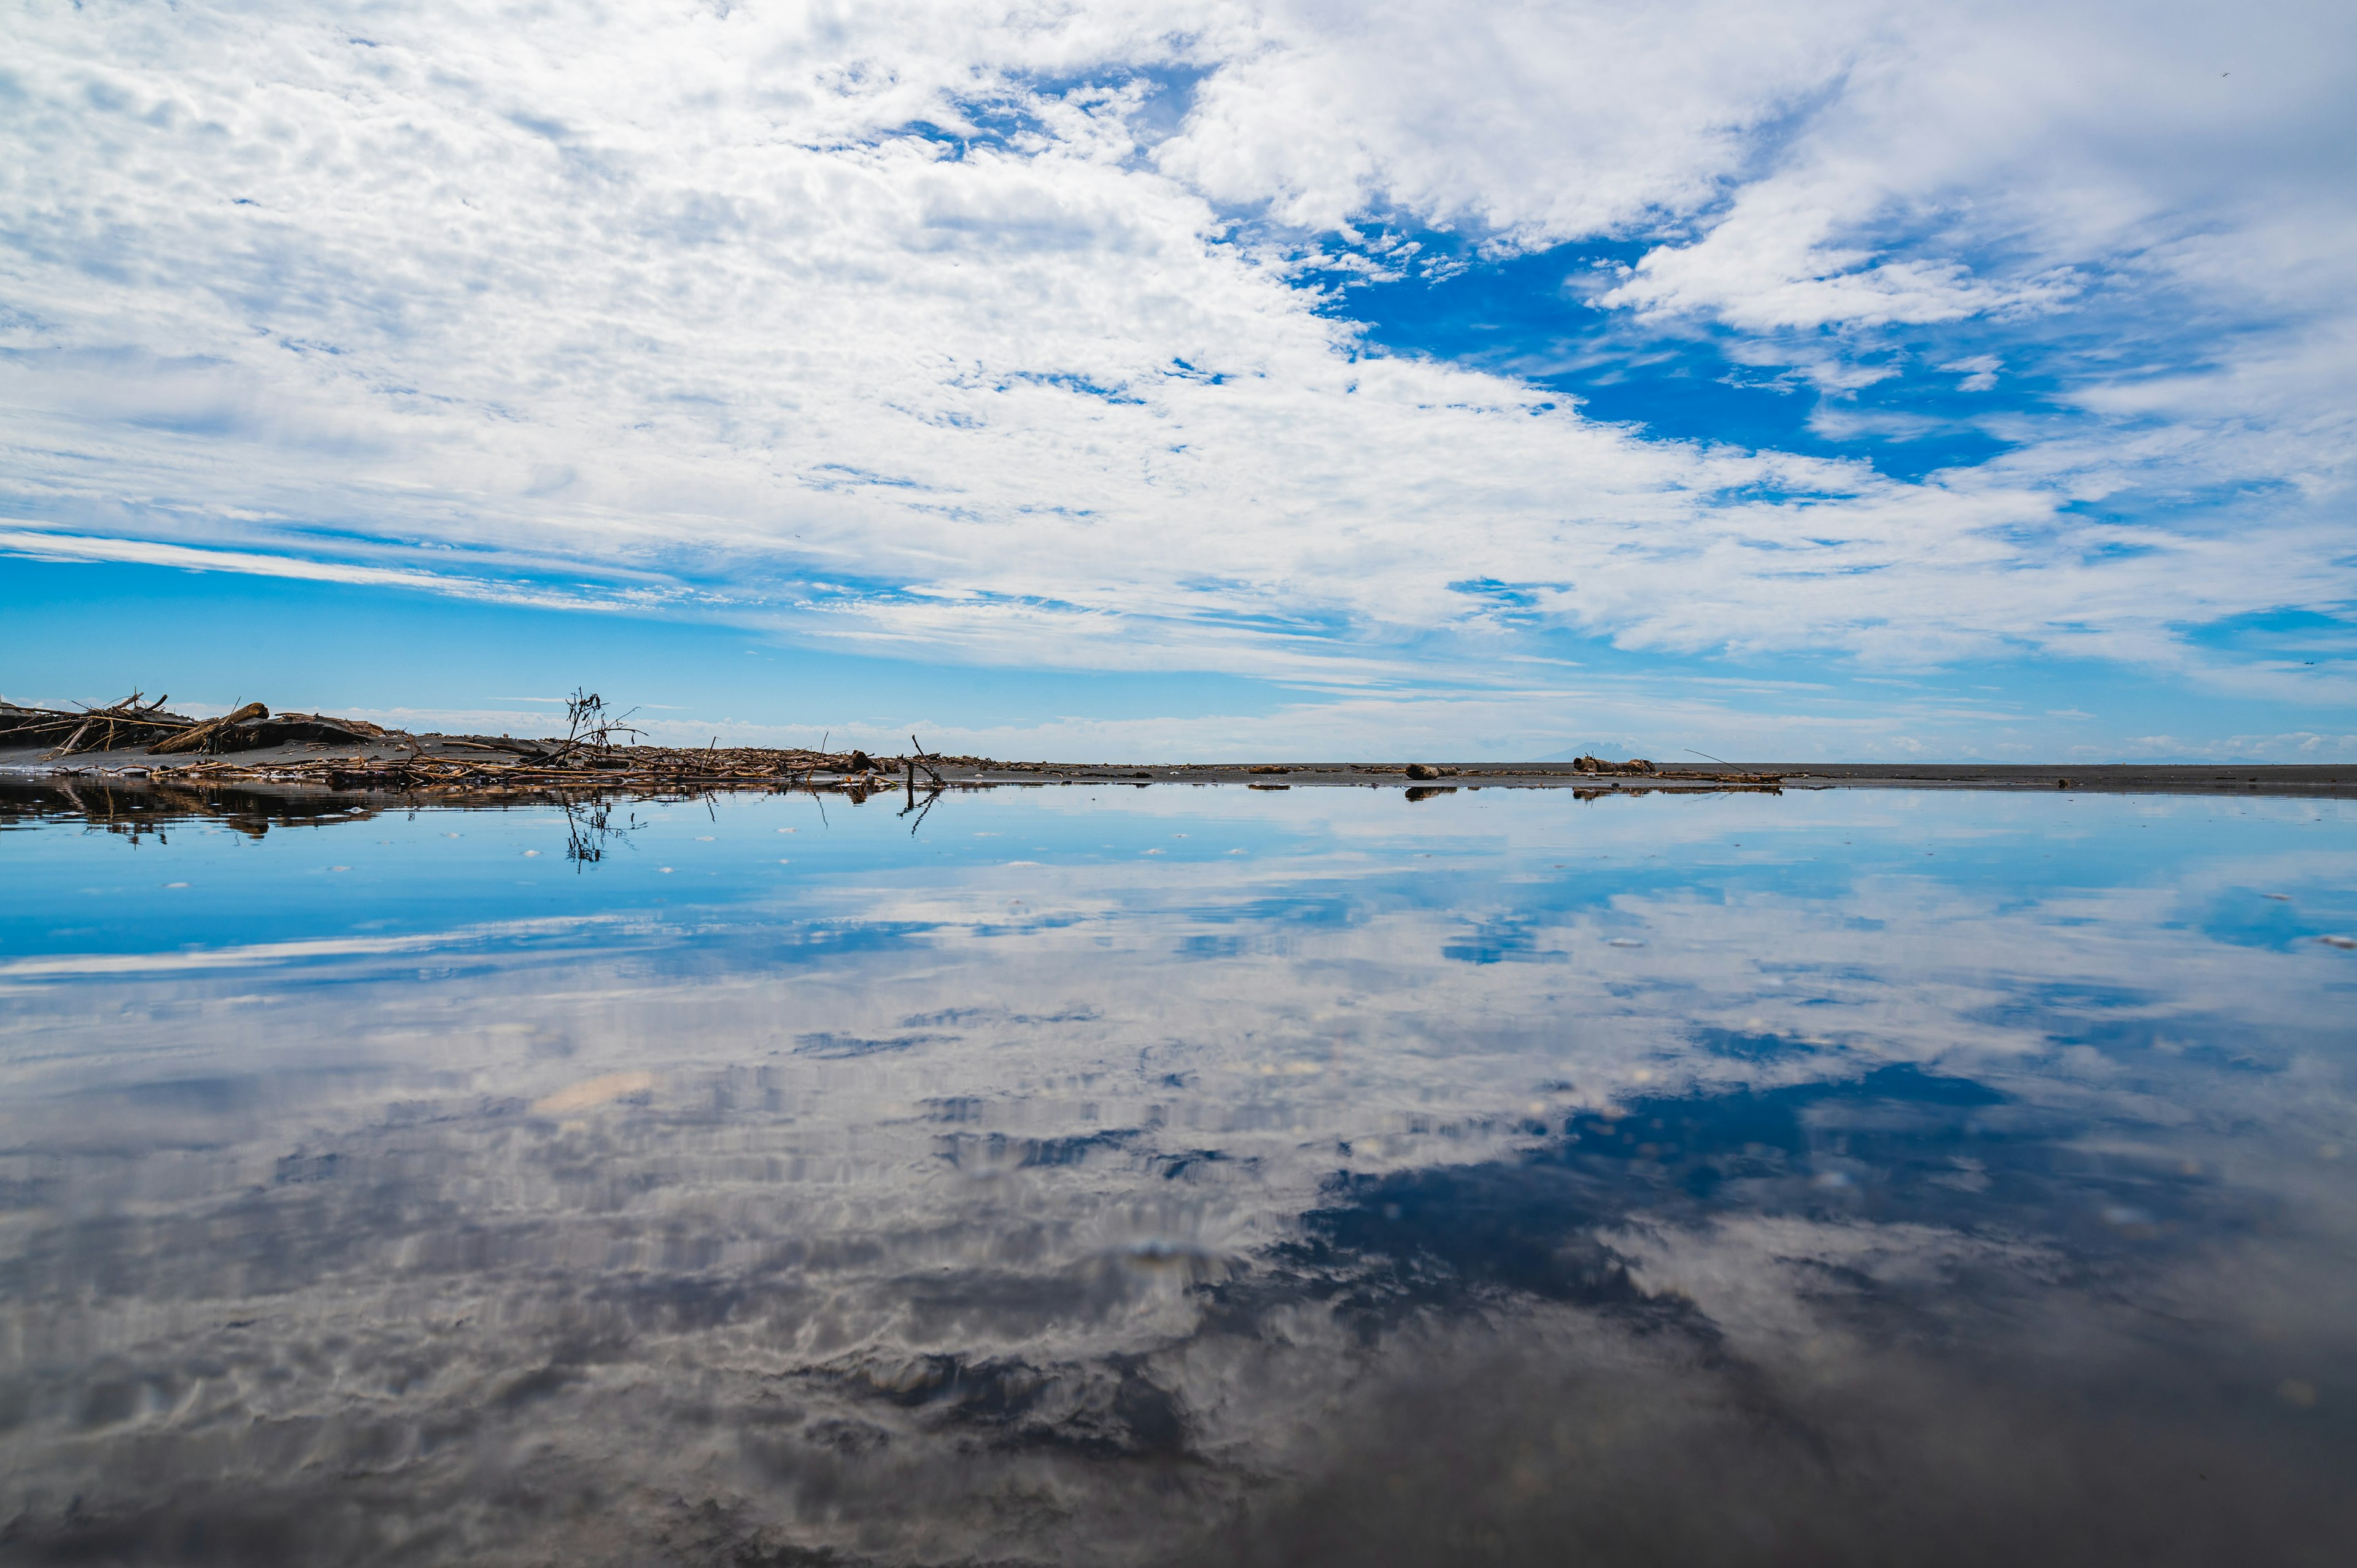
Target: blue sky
<point>1229,380</point>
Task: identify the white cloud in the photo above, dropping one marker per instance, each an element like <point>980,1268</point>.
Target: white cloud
<point>2301,745</point>
<point>46,545</point>
<point>1979,371</point>
<point>2043,140</point>
<point>1771,265</point>
<point>679,309</point>
<point>1533,123</point>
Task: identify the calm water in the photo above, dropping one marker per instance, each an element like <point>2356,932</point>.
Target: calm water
<point>1113,1176</point>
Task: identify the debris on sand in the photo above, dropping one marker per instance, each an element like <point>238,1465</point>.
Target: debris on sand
<point>132,722</point>
<point>589,756</point>
<point>128,723</point>
<point>1637,767</point>
<point>206,737</point>
<point>600,752</point>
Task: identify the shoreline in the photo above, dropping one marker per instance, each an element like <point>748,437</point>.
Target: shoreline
<point>432,766</point>
<point>131,746</point>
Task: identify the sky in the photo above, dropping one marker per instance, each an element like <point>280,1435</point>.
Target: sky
<point>1151,382</point>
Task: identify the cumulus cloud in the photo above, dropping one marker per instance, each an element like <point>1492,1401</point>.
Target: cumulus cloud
<point>1532,122</point>
<point>930,329</point>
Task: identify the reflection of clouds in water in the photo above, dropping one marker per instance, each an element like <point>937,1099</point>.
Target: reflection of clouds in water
<point>16,972</point>
<point>589,1093</point>
<point>1275,1211</point>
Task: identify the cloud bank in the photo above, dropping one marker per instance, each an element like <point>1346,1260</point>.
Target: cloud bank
<point>1011,335</point>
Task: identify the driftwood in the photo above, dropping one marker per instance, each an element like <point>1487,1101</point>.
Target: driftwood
<point>586,760</point>
<point>126,723</point>
<point>590,725</point>
<point>205,736</point>
<point>133,722</point>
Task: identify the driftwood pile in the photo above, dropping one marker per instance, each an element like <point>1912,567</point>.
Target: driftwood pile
<point>589,756</point>
<point>1639,768</point>
<point>600,751</point>
<point>134,722</point>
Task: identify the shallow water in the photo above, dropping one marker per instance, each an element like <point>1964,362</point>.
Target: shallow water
<point>1113,1175</point>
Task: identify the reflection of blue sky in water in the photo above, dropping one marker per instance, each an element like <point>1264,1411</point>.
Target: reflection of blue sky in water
<point>1107,1174</point>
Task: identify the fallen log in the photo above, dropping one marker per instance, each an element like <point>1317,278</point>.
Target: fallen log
<point>203,737</point>
<point>288,727</point>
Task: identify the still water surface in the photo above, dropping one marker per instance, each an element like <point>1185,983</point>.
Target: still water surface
<point>1182,1175</point>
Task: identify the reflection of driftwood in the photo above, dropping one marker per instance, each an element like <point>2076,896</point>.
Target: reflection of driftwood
<point>511,767</point>
<point>137,807</point>
<point>589,827</point>
<point>1704,784</point>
